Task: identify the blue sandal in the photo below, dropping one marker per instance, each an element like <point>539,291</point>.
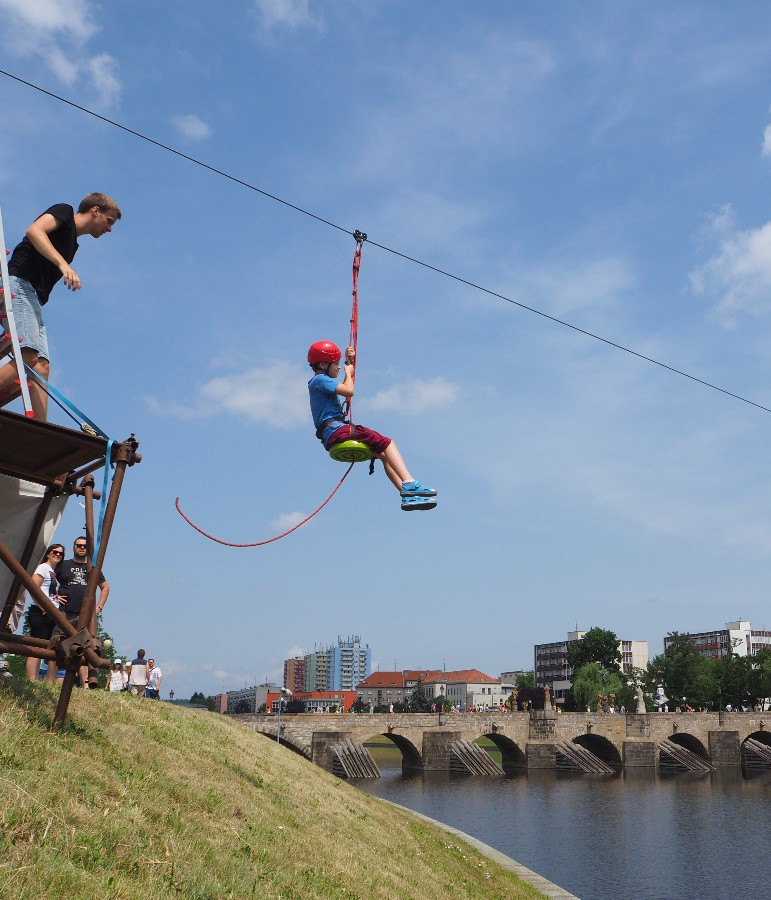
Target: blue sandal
<point>416,489</point>
<point>410,503</point>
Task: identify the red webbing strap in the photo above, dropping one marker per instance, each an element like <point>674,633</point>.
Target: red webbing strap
<point>354,335</point>
<point>269,540</point>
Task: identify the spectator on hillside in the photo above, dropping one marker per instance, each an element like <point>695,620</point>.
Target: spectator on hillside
<point>116,680</point>
<point>154,675</point>
<point>41,624</point>
<point>73,578</point>
<point>137,678</point>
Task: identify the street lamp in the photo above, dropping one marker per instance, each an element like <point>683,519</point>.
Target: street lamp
<point>281,699</point>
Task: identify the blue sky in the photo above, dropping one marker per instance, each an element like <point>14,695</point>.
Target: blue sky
<point>607,163</point>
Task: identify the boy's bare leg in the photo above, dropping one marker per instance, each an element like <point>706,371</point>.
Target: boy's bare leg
<point>395,467</point>
<point>10,391</point>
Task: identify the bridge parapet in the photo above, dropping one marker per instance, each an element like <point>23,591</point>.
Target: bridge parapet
<point>424,741</point>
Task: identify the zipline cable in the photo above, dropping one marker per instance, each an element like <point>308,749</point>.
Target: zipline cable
<point>384,247</point>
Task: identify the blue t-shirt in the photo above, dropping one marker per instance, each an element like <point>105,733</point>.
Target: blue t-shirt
<point>325,403</point>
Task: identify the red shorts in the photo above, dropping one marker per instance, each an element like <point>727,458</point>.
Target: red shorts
<point>377,441</point>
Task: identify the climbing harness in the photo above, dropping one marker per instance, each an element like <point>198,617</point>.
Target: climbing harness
<point>9,340</point>
<point>357,450</point>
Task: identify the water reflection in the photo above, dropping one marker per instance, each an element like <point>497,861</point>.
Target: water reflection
<point>629,835</point>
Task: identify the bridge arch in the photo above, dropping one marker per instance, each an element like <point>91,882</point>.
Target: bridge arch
<point>411,757</point>
<point>755,759</point>
<point>690,742</point>
<point>512,755</point>
<point>601,747</point>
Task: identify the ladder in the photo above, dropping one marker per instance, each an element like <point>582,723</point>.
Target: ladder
<point>9,340</point>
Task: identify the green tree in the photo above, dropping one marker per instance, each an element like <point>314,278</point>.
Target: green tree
<point>760,676</point>
<point>597,645</point>
<point>682,671</point>
<point>589,681</point>
<point>734,675</point>
<point>418,702</point>
<point>525,680</point>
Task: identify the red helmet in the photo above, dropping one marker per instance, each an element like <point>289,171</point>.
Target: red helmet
<point>323,351</point>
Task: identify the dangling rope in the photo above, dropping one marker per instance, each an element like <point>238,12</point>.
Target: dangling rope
<point>269,540</point>
<point>360,237</point>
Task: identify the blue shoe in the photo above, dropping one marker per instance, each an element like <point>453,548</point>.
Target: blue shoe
<point>410,503</point>
<point>416,489</point>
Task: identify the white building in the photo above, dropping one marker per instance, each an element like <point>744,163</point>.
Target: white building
<point>466,688</point>
<point>738,637</point>
<point>551,662</point>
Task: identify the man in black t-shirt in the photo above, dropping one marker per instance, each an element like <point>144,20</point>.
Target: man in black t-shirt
<point>73,578</point>
<point>37,263</point>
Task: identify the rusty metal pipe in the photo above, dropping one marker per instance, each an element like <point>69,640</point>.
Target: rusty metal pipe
<point>25,639</point>
<point>36,652</point>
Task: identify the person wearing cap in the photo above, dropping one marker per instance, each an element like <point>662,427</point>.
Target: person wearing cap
<point>116,680</point>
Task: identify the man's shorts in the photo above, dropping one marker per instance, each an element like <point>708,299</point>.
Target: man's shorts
<point>374,439</point>
<point>40,625</point>
<point>28,316</point>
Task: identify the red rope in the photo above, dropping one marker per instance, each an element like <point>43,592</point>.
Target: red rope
<point>353,338</point>
<point>352,342</point>
<point>269,540</point>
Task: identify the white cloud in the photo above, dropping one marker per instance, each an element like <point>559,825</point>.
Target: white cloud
<point>275,395</point>
<point>57,32</point>
<point>767,141</point>
<point>566,288</point>
<point>287,14</point>
<point>738,274</point>
<point>286,521</point>
<point>191,126</point>
<point>72,17</point>
<point>103,72</point>
<point>415,397</point>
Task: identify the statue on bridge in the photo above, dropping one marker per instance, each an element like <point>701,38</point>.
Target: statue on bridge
<point>638,692</point>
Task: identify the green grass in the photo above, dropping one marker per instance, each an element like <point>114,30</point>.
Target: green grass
<point>133,797</point>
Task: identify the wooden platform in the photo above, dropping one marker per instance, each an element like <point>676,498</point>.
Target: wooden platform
<point>42,452</point>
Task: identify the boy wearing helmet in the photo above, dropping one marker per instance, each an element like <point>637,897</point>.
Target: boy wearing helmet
<point>326,395</point>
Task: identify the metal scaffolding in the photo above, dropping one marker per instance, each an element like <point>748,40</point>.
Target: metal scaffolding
<point>62,461</point>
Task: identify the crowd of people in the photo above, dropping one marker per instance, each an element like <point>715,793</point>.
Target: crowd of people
<point>64,582</point>
<point>141,677</point>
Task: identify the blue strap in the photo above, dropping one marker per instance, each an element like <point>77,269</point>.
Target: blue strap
<point>64,403</point>
<point>78,415</point>
<point>105,484</point>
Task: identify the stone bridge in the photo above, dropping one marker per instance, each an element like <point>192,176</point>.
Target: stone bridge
<point>527,740</point>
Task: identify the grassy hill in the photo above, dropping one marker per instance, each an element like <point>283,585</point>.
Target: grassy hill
<point>135,798</point>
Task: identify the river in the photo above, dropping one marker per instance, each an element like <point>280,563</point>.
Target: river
<point>631,836</point>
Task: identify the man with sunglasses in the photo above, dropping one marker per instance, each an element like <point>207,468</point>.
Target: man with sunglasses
<point>73,578</point>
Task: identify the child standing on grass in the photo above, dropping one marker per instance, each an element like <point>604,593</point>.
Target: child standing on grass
<point>332,428</point>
